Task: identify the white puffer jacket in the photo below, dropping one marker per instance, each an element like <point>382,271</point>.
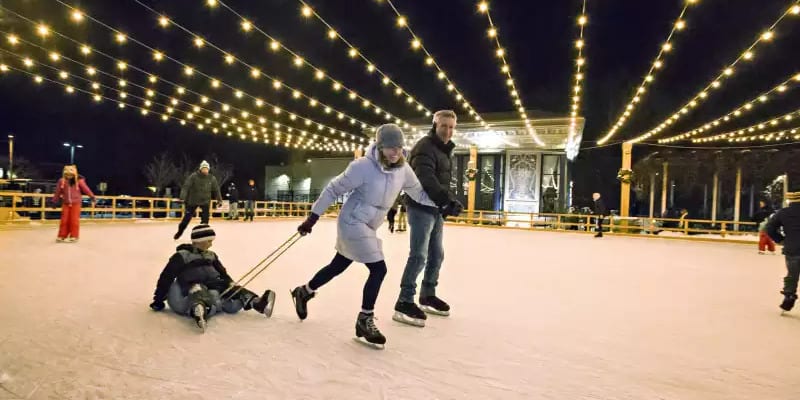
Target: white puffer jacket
<point>374,189</point>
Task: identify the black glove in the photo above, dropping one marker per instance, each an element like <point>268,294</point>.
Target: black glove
<point>305,227</point>
<point>157,305</point>
<point>452,209</point>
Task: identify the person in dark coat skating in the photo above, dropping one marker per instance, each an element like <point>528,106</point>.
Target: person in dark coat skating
<point>233,201</point>
<point>600,211</point>
<point>788,219</point>
<point>197,192</point>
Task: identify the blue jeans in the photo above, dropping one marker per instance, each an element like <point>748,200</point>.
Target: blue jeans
<point>426,251</point>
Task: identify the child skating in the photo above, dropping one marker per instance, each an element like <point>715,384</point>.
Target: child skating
<point>374,182</point>
<point>194,278</point>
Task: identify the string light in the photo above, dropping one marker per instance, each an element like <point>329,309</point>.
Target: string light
<point>572,142</point>
<point>152,78</point>
<point>716,83</point>
<point>86,50</point>
<point>120,38</point>
<point>13,39</point>
<point>439,72</point>
<point>483,7</point>
<point>163,21</point>
<point>760,126</point>
<point>636,98</point>
<point>735,113</point>
<point>274,43</point>
<point>139,43</point>
<point>150,92</point>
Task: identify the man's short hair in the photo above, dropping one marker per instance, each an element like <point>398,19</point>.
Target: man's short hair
<point>444,113</point>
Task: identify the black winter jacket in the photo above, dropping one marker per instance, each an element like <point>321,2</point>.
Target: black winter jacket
<point>431,160</point>
<point>600,207</point>
<point>251,193</point>
<point>189,265</point>
<point>233,194</point>
<point>789,219</point>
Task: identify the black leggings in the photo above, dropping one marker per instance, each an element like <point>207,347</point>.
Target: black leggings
<point>377,271</point>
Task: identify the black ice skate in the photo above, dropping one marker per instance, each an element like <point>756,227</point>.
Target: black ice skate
<point>434,305</point>
<point>301,296</point>
<point>367,333</point>
<point>788,301</point>
<point>199,315</point>
<point>265,303</point>
<point>409,313</point>
<point>178,234</point>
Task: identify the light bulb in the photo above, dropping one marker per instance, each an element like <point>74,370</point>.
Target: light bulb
<point>483,7</point>
<point>582,20</point>
<point>255,73</point>
<point>229,59</point>
<point>163,21</point>
<point>332,34</point>
<point>247,26</point>
<point>199,42</point>
<point>42,30</point>
<point>401,21</point>
<point>158,56</point>
<point>120,38</point>
<point>680,25</point>
<point>76,15</point>
<point>415,44</point>
<point>492,32</point>
<point>274,45</point>
<point>307,11</point>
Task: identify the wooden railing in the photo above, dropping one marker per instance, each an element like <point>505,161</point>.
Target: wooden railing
<point>18,207</point>
<point>26,207</point>
<point>613,224</point>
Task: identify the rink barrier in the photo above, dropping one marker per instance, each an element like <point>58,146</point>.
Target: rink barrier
<point>18,208</point>
<point>24,208</point>
<point>611,224</point>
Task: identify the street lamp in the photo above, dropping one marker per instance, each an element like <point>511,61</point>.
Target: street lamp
<point>72,151</point>
<point>10,157</point>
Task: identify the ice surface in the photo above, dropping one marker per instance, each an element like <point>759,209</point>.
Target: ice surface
<point>536,315</point>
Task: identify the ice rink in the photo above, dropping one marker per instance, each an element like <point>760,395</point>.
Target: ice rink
<point>536,315</point>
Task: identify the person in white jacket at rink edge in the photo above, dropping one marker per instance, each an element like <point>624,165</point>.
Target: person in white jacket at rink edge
<point>373,182</point>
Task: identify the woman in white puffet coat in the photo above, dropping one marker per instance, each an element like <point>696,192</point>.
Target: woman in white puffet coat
<point>373,182</point>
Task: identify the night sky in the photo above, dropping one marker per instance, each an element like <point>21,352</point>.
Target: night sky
<point>622,36</point>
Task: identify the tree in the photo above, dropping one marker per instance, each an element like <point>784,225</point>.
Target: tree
<point>23,168</point>
<point>222,171</point>
<point>160,172</point>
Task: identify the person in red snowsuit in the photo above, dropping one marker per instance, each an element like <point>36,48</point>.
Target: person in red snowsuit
<point>68,191</point>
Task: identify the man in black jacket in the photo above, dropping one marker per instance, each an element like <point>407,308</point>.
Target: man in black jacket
<point>194,278</point>
<point>233,202</point>
<point>600,211</point>
<point>431,159</point>
<point>789,219</point>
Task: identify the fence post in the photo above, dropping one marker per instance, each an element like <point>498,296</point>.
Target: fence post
<point>724,230</point>
<point>113,208</point>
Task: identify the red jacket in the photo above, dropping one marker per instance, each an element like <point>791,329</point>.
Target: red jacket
<point>71,194</point>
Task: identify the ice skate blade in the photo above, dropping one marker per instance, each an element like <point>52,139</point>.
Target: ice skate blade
<point>270,304</point>
<point>364,342</point>
<point>400,317</point>
<point>431,310</point>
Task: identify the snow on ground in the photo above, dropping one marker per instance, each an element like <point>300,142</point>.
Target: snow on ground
<point>536,315</point>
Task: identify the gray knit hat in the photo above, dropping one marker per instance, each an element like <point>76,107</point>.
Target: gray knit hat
<point>389,135</point>
<point>204,164</point>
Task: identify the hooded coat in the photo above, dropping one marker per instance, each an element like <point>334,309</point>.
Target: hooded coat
<point>373,189</point>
